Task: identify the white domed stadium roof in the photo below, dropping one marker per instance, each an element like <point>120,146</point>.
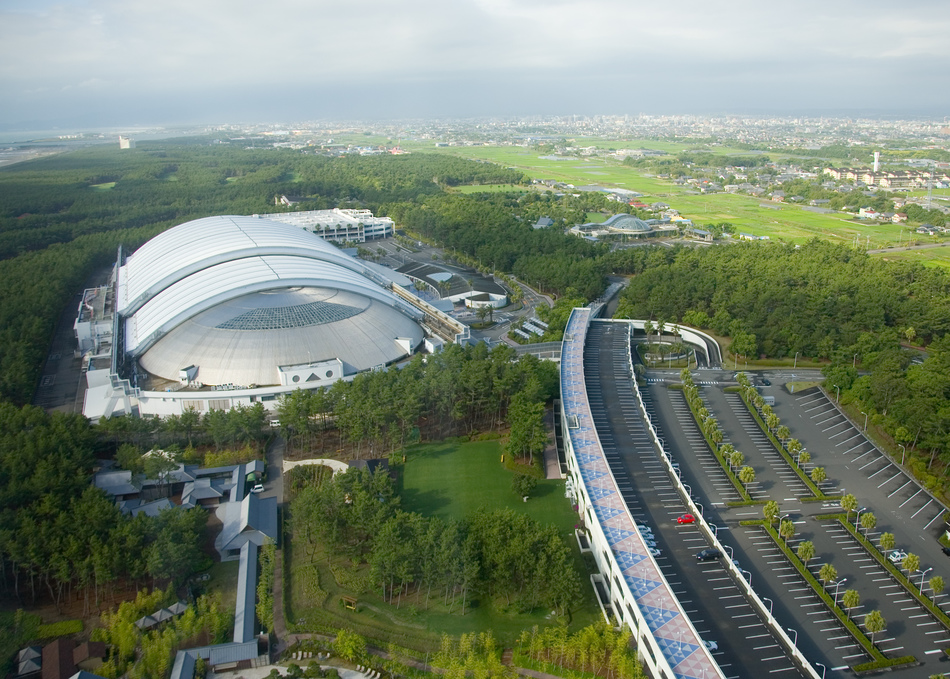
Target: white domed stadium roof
<point>237,297</point>
<point>198,244</point>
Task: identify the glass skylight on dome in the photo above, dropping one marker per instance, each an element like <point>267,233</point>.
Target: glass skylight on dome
<point>286,317</point>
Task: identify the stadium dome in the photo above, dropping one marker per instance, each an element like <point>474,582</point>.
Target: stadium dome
<point>627,223</point>
<point>239,297</point>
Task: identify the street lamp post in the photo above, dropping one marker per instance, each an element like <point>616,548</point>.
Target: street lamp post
<point>795,641</point>
<point>765,598</point>
<point>837,585</point>
<point>837,393</point>
<point>865,420</point>
<point>922,574</point>
<point>795,364</point>
<point>857,519</point>
<point>903,452</point>
<point>854,363</point>
<point>747,573</point>
<point>823,668</point>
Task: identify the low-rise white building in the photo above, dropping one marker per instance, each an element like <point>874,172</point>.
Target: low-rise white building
<point>354,226</point>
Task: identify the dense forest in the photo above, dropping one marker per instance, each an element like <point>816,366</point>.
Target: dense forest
<point>815,300</point>
<point>487,228</point>
<point>59,534</point>
<point>63,217</point>
<point>500,553</point>
<point>824,301</point>
<point>907,396</point>
<point>454,392</point>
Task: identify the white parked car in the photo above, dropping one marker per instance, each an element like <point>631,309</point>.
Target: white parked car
<point>259,488</point>
<point>897,556</point>
<point>711,645</point>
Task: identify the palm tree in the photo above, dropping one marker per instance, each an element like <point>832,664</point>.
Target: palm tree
<point>886,541</point>
<point>787,530</point>
<point>936,585</point>
<point>850,599</point>
<point>868,522</point>
<point>827,573</point>
<point>747,476</point>
<point>849,503</point>
<point>806,551</point>
<point>911,563</point>
<point>874,622</point>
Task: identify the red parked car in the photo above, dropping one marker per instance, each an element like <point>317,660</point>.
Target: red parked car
<point>686,518</point>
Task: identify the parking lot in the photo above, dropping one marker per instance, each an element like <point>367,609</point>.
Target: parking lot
<point>861,469</point>
<point>715,604</point>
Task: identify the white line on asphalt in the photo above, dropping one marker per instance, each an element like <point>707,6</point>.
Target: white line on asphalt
<point>929,502</point>
<point>892,478</point>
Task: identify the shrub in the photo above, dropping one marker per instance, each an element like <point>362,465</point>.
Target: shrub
<point>59,629</point>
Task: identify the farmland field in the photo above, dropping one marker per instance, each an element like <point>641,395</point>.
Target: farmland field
<point>928,257</point>
<point>789,222</point>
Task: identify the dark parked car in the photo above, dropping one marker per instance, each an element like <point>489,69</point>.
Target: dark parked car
<point>946,550</point>
<point>766,382</point>
<point>708,555</point>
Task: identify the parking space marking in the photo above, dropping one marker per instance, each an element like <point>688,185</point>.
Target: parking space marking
<point>858,435</point>
<point>929,502</point>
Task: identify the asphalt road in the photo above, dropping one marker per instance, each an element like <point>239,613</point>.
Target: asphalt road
<point>853,465</point>
<point>713,601</point>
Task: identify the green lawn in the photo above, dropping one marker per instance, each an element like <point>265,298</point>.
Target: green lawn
<point>224,579</point>
<point>448,480</point>
<point>928,257</point>
<point>491,188</point>
<point>453,480</point>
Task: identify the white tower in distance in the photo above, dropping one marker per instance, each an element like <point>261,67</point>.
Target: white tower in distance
<point>877,161</point>
<point>126,142</point>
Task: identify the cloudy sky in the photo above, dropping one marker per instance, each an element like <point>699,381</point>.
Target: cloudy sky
<point>127,62</point>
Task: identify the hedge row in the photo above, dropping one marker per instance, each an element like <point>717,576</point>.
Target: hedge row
<point>896,573</point>
<point>817,492</point>
<point>819,589</point>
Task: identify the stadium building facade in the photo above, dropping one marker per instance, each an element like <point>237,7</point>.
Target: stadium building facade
<point>231,310</point>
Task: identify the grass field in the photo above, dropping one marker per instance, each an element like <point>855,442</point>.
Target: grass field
<point>928,257</point>
<point>453,480</point>
<point>491,188</point>
<point>787,222</point>
<point>103,187</point>
<point>450,481</point>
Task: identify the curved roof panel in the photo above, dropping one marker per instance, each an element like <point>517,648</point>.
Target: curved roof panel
<point>196,245</point>
<point>227,280</point>
<point>628,223</point>
<point>362,334</point>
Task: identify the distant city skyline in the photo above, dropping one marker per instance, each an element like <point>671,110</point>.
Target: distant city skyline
<point>106,62</point>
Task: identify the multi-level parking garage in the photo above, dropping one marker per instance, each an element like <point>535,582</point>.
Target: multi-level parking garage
<point>631,430</point>
<point>625,489</point>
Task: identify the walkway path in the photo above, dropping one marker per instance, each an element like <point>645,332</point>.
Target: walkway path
<point>335,465</point>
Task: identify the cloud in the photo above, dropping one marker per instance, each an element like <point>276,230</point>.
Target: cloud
<point>197,52</point>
